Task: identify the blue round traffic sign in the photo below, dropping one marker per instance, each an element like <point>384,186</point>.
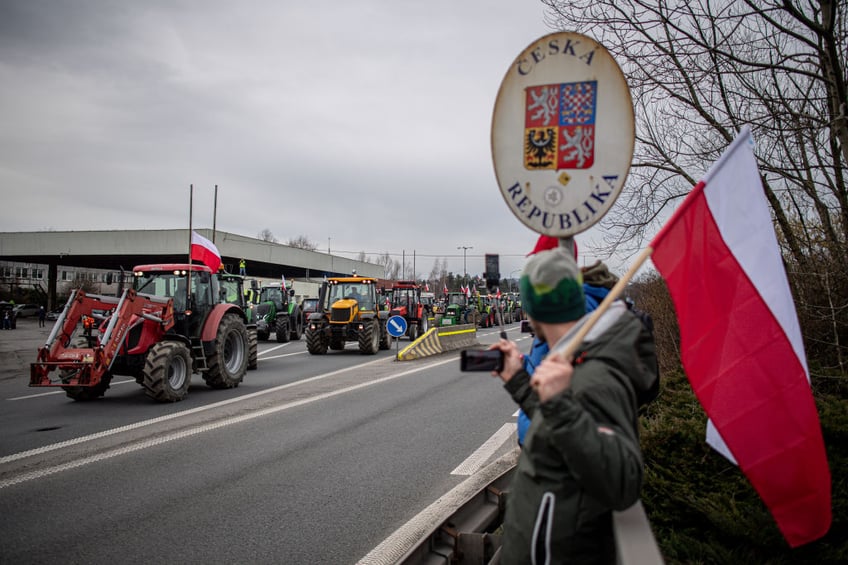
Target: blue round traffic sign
<point>396,326</point>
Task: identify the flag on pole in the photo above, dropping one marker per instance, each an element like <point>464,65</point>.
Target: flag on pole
<point>741,344</point>
<point>426,286</point>
<point>499,292</point>
<point>284,282</point>
<point>204,251</point>
<point>446,288</point>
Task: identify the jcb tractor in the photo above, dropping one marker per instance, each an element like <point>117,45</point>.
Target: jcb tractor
<point>348,310</point>
<point>276,312</point>
<point>169,325</point>
<point>406,302</point>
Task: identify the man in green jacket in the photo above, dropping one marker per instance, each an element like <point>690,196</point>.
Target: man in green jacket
<point>581,458</point>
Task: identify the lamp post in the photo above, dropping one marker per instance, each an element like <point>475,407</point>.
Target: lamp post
<point>511,277</point>
<point>464,270</point>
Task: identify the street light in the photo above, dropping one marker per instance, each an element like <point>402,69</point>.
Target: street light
<point>511,277</point>
<point>464,270</point>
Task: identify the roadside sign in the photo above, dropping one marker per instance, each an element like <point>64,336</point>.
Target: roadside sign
<point>563,134</point>
<point>396,326</point>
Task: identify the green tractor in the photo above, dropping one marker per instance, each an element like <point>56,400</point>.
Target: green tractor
<point>232,291</point>
<point>275,312</point>
<point>458,310</point>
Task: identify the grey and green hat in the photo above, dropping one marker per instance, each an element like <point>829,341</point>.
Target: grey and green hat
<point>552,287</point>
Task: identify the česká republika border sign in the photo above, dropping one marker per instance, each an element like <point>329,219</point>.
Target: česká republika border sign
<point>562,134</point>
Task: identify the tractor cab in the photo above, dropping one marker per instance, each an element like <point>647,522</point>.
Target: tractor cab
<point>193,289</point>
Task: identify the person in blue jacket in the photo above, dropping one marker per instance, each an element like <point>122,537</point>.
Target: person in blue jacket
<point>597,282</point>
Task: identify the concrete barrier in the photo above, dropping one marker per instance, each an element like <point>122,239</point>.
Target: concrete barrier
<point>440,340</point>
<point>458,337</point>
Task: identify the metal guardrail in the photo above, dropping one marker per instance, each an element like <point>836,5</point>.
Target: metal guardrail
<point>458,527</point>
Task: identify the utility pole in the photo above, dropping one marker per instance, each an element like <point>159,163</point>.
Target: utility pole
<point>464,270</point>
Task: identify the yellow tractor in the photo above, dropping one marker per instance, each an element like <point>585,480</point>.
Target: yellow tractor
<point>348,310</point>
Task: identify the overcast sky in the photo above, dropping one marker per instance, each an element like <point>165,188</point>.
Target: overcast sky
<point>362,125</point>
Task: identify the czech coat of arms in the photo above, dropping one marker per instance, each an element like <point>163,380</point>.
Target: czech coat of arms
<point>559,126</point>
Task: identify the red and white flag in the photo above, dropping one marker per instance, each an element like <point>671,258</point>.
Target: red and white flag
<point>204,251</point>
<point>283,282</point>
<point>499,292</point>
<point>741,344</point>
<point>446,288</point>
<point>426,286</point>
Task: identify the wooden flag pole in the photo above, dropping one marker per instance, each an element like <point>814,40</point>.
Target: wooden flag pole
<point>571,346</point>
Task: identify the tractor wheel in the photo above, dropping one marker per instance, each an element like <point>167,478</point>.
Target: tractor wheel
<point>282,329</point>
<point>296,324</point>
<point>167,371</point>
<point>84,393</point>
<point>369,339</point>
<point>385,340</point>
<point>423,325</point>
<point>228,364</point>
<point>252,350</point>
<point>316,344</point>
<point>412,332</point>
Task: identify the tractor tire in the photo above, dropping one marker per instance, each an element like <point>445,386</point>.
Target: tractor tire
<point>316,344</point>
<point>167,371</point>
<point>296,323</point>
<point>369,339</point>
<point>228,364</point>
<point>423,326</point>
<point>412,332</point>
<point>252,350</point>
<point>84,393</point>
<point>282,330</point>
<point>385,340</point>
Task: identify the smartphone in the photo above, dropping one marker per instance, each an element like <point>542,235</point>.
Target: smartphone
<point>480,360</point>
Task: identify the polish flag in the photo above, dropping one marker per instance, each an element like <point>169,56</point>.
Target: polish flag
<point>426,286</point>
<point>741,344</point>
<point>204,251</point>
<point>446,288</point>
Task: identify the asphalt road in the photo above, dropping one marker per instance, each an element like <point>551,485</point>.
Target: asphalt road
<point>313,459</point>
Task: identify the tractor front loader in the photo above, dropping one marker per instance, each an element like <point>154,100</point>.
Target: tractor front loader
<point>84,359</point>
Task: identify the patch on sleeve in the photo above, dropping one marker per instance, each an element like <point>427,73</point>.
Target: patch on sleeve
<point>606,431</point>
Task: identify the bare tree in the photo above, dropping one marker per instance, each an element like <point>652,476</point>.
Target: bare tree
<point>302,242</point>
<point>699,71</point>
<point>267,235</point>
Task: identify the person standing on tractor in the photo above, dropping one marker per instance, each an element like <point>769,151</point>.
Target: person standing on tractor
<point>242,267</point>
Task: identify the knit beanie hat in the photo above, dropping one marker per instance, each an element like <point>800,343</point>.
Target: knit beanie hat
<point>552,287</point>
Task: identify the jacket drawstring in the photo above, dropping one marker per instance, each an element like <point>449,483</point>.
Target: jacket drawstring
<point>544,520</point>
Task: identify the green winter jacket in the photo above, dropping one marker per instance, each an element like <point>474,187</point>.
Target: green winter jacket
<point>581,458</point>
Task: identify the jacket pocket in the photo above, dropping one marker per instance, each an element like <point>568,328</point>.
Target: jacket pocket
<point>540,551</point>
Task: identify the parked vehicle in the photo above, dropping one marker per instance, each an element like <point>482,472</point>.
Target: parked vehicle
<point>27,310</point>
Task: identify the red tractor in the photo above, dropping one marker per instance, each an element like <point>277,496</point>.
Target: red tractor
<point>406,302</point>
<point>171,324</point>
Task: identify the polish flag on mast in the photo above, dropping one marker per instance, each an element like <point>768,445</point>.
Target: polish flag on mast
<point>204,251</point>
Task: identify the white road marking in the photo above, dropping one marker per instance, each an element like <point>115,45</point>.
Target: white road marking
<point>59,391</point>
<point>24,477</point>
<point>478,459</point>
